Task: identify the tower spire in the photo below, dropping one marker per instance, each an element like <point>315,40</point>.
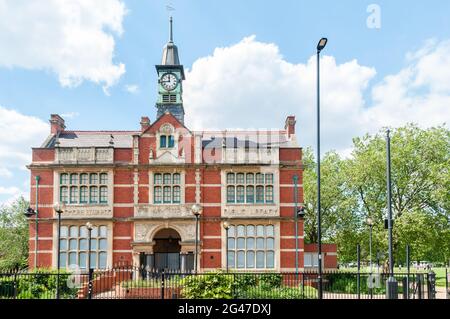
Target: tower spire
<point>171,30</point>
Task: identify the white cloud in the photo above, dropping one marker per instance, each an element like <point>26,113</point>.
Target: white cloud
<point>132,88</point>
<point>9,190</point>
<point>251,84</point>
<point>18,133</point>
<point>72,38</point>
<point>70,115</point>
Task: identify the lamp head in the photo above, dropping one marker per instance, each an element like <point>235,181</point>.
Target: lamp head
<point>322,44</point>
<point>59,207</point>
<point>226,225</point>
<point>369,221</point>
<point>301,212</point>
<point>196,209</point>
<point>30,212</point>
<point>89,226</point>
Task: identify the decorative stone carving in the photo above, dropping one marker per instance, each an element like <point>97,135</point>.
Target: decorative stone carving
<point>87,211</point>
<point>250,211</point>
<point>167,129</point>
<point>84,155</point>
<point>142,231</point>
<point>163,211</point>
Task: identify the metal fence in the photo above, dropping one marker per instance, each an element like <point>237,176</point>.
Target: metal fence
<point>139,283</point>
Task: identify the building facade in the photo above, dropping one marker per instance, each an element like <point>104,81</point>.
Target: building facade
<point>138,188</point>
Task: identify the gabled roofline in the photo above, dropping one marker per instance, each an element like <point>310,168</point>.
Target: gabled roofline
<point>159,119</point>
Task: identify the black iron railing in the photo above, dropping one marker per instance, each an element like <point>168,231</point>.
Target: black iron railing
<point>140,283</point>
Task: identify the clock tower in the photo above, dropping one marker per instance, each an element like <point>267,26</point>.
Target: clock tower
<point>170,77</point>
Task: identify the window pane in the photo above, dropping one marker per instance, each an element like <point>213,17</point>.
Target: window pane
<point>259,178</point>
<point>171,141</point>
<point>157,179</point>
<point>231,261</point>
<point>250,194</point>
<point>231,243</point>
<point>103,244</point>
<point>103,178</point>
<point>231,231</point>
<point>230,178</point>
<point>250,178</point>
<point>64,179</point>
<point>260,194</point>
<point>93,260</point>
<point>74,179</point>
<point>72,258</point>
<point>94,244</point>
<point>260,259</point>
<point>103,194</point>
<point>270,243</point>
<point>82,260</point>
<point>241,243</point>
<point>269,194</point>
<point>83,244</point>
<point>167,179</point>
<point>73,231</point>
<point>158,194</point>
<point>166,195</point>
<point>84,178</point>
<point>83,232</point>
<point>64,231</point>
<point>240,194</point>
<point>163,141</point>
<point>270,259</point>
<point>230,194</point>
<point>94,194</point>
<point>102,260</point>
<point>250,243</point>
<point>250,230</point>
<point>260,243</point>
<point>83,194</point>
<point>103,231</point>
<point>62,260</point>
<point>176,194</point>
<point>176,178</point>
<point>241,259</point>
<point>73,244</point>
<point>94,231</point>
<point>74,194</point>
<point>240,178</point>
<point>269,178</point>
<point>63,244</point>
<point>94,178</point>
<point>260,230</point>
<point>269,231</point>
<point>250,259</point>
<point>241,230</point>
<point>64,196</point>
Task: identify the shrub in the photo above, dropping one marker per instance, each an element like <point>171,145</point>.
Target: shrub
<point>208,286</point>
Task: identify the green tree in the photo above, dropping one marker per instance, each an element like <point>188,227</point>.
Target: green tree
<point>14,235</point>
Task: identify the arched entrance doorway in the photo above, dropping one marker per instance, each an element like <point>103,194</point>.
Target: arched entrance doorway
<point>167,249</point>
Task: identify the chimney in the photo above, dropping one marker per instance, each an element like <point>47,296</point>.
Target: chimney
<point>145,123</point>
<point>290,125</point>
<point>56,123</point>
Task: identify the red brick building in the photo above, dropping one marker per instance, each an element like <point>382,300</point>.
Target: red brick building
<point>138,187</point>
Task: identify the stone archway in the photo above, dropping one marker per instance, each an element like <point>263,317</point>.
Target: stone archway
<point>166,249</point>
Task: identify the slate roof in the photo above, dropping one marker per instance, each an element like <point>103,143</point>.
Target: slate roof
<point>122,139</point>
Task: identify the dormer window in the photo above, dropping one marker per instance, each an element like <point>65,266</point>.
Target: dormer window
<point>167,141</point>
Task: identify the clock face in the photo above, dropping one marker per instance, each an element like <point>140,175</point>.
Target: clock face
<point>169,81</point>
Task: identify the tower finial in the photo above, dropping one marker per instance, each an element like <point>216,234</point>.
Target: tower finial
<point>171,32</point>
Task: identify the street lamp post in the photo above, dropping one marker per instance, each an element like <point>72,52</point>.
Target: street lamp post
<point>296,221</point>
<point>320,46</point>
<point>28,214</point>
<point>226,225</point>
<point>391,284</point>
<point>89,227</point>
<point>196,210</point>
<point>59,209</point>
<point>369,222</point>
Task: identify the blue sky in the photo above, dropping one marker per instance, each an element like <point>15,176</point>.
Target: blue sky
<point>33,88</point>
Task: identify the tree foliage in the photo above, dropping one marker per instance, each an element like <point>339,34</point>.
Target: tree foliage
<point>354,189</point>
<point>14,235</point>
